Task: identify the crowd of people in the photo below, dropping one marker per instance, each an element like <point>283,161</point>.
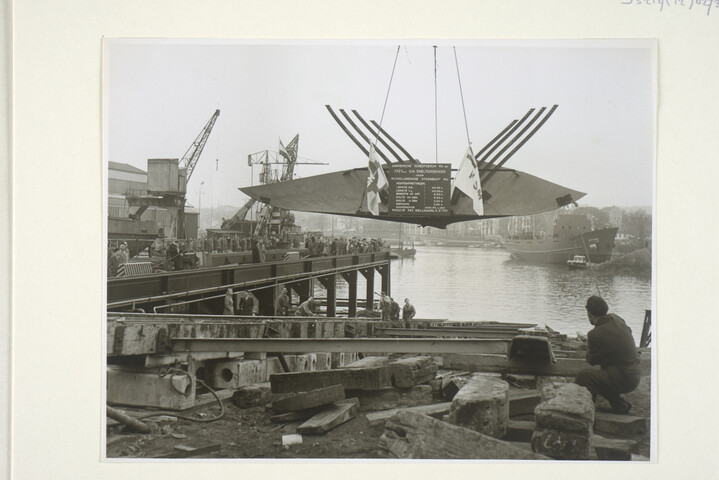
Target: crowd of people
<point>323,245</point>
<point>116,257</point>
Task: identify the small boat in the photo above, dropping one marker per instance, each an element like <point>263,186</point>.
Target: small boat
<point>578,261</point>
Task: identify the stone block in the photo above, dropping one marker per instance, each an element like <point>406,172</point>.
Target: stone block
<point>252,396</point>
<point>144,389</point>
<point>368,362</point>
<point>235,373</point>
<point>522,402</point>
<point>436,385</point>
<point>520,431</point>
<point>570,409</point>
<point>452,385</point>
<point>311,399</point>
<point>547,386</point>
<point>324,361</point>
<point>482,404</point>
<point>561,445</point>
<point>522,381</point>
<point>408,372</point>
<point>391,397</point>
<point>620,425</point>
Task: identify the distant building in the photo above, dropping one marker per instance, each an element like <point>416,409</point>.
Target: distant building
<point>124,179</point>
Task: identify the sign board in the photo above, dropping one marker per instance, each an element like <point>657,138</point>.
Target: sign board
<point>419,188</point>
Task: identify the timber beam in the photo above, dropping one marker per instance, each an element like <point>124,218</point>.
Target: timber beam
<point>332,345</point>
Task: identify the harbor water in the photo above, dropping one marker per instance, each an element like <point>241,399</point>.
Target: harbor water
<point>476,284</point>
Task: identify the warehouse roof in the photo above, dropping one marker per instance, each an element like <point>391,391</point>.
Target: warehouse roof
<point>124,167</point>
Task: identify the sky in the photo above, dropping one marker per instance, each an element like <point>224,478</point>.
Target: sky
<point>160,94</point>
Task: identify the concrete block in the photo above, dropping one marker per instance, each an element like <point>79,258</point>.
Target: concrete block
<point>324,361</point>
<point>351,357</point>
<point>561,445</point>
<point>482,404</point>
<point>523,402</point>
<point>520,431</point>
<point>145,389</point>
<point>338,359</point>
<point>571,409</point>
<point>252,396</point>
<point>235,373</point>
<point>311,399</point>
<point>452,385</point>
<point>523,381</point>
<point>391,397</point>
<point>408,372</point>
<point>273,366</point>
<point>255,356</point>
<point>620,425</point>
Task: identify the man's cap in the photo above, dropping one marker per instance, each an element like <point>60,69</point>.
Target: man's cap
<point>597,306</point>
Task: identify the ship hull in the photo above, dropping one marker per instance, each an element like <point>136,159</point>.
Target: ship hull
<point>597,245</point>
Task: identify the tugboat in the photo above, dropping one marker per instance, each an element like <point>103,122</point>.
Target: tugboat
<point>578,261</point>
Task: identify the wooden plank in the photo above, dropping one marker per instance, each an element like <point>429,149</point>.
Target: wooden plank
<point>350,378</point>
<point>621,425</point>
<point>305,400</point>
<point>614,449</point>
<point>375,418</point>
<point>332,416</point>
<point>415,435</point>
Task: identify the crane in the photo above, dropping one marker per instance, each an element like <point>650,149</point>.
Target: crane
<point>192,155</point>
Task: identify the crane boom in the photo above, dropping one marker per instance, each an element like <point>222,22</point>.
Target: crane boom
<point>189,160</point>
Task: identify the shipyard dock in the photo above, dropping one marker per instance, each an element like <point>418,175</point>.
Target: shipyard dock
<point>184,381</point>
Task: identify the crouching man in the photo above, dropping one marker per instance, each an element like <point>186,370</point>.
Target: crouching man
<point>610,345</point>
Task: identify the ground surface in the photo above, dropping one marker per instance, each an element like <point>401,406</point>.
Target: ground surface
<point>248,433</point>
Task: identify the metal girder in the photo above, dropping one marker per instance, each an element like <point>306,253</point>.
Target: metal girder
<point>364,345</point>
<point>442,332</point>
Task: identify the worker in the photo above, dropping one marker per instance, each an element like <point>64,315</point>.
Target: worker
<point>384,306</point>
<point>248,304</point>
<point>229,303</point>
<point>394,312</point>
<point>611,345</point>
<point>306,308</point>
<point>282,305</point>
<point>255,251</point>
<point>125,253</point>
<point>408,313</point>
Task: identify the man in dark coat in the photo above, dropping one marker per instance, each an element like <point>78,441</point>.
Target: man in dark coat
<point>282,305</point>
<point>408,313</point>
<point>610,345</point>
<point>248,304</point>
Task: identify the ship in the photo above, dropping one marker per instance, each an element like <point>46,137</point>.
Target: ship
<point>572,235</point>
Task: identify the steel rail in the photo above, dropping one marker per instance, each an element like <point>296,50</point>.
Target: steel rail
<point>332,345</point>
<point>431,332</point>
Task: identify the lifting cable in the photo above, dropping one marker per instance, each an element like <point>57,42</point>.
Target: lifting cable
<point>461,95</point>
<point>436,136</point>
<point>384,107</point>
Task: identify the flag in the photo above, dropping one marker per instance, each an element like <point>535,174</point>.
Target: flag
<point>467,181</point>
<point>283,152</point>
<point>376,182</point>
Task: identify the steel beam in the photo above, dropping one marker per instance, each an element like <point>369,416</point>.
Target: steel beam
<point>437,332</point>
<point>364,345</point>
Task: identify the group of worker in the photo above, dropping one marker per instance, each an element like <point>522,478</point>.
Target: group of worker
<point>117,257</point>
<point>391,311</point>
<point>323,245</point>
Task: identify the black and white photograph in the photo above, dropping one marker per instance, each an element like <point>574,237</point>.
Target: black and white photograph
<point>379,249</point>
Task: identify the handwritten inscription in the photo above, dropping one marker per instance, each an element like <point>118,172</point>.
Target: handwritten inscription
<point>700,5</point>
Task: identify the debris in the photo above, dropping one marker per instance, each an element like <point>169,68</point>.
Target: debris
<point>179,436</point>
<point>252,396</point>
<point>414,435</point>
<point>291,439</point>
<point>392,397</point>
<point>375,418</point>
<point>522,402</point>
<point>351,378</point>
<point>184,451</point>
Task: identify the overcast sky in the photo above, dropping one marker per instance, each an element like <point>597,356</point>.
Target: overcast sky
<point>160,94</point>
